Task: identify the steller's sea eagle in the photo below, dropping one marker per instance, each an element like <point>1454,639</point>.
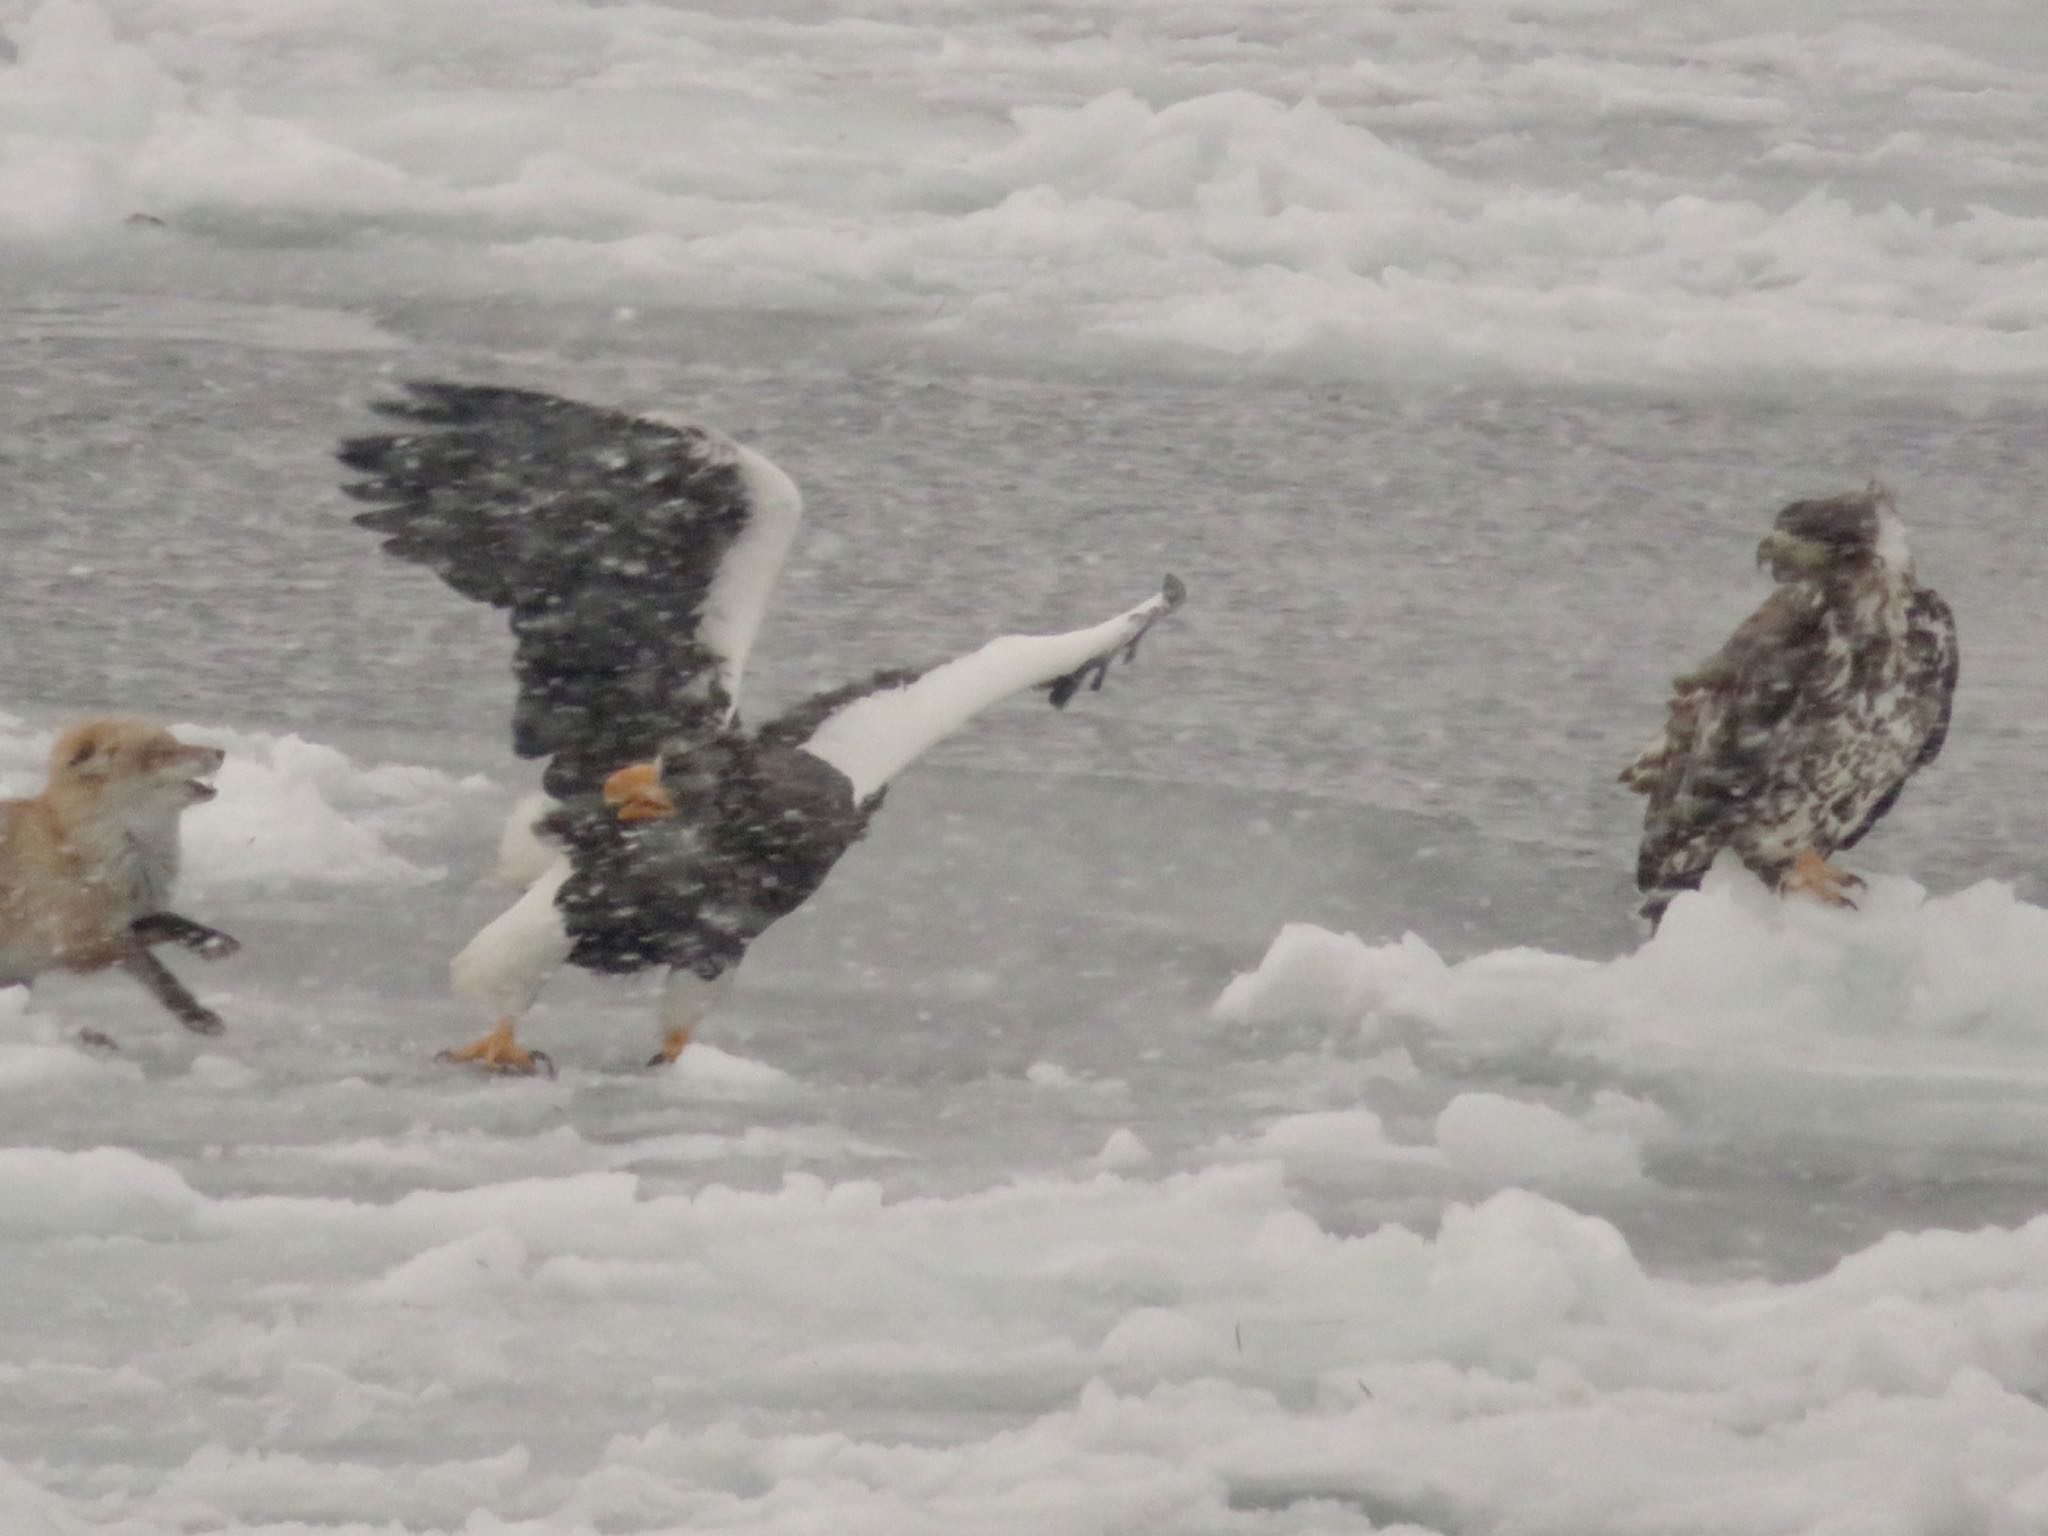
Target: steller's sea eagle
<point>1796,738</point>
<point>635,557</point>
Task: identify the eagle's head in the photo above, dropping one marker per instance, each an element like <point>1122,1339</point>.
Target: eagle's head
<point>1813,540</point>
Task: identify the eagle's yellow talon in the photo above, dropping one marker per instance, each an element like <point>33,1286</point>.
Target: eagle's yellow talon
<point>499,1052</point>
<point>1814,876</point>
<point>672,1045</point>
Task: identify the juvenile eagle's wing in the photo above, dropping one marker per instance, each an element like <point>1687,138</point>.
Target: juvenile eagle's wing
<point>1931,626</point>
<point>1930,691</point>
<point>871,731</point>
<point>635,557</point>
<point>1703,774</point>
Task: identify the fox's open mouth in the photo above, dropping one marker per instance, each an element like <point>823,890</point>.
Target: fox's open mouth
<point>205,762</point>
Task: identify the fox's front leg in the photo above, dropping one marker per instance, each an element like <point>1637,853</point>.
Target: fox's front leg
<point>170,928</point>
<point>170,991</point>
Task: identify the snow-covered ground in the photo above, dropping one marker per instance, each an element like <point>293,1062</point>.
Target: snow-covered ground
<point>1586,189</point>
<point>1241,1105</point>
<point>1369,1268</point>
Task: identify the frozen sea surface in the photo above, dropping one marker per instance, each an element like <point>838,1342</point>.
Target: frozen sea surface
<point>1594,190</point>
<point>1241,1104</point>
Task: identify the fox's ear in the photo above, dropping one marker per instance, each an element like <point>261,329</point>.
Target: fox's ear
<point>82,755</point>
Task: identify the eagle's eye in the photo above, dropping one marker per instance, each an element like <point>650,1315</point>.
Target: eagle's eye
<point>1845,524</point>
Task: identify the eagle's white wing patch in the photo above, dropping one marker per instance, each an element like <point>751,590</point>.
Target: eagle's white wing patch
<point>739,594</point>
<point>872,738</point>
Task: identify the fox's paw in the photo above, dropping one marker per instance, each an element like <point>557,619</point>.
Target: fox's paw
<point>98,1039</point>
<point>203,1021</point>
<point>215,945</point>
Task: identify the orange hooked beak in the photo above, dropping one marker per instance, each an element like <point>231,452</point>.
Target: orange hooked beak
<point>635,794</point>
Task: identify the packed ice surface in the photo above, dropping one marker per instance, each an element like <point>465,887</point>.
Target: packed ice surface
<point>1364,1251</point>
<point>1914,1019</point>
<point>1465,187</point>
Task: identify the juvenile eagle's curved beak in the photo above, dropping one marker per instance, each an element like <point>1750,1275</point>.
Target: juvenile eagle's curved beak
<point>635,794</point>
<point>1790,555</point>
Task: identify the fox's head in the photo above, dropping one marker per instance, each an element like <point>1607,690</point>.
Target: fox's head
<point>132,765</point>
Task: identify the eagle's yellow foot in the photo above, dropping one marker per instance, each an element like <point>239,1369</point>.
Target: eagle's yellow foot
<point>672,1045</point>
<point>1816,877</point>
<point>499,1052</point>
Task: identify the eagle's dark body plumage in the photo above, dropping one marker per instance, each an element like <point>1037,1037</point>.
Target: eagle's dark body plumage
<point>635,558</point>
<point>749,844</point>
<point>759,824</point>
<point>1799,734</point>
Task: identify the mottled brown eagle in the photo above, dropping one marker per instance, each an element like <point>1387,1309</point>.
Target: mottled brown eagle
<point>1796,738</point>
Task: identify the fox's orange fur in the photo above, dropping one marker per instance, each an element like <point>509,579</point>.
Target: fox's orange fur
<point>87,866</point>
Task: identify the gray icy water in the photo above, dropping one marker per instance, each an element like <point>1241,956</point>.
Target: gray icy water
<point>1423,632</point>
<point>1455,605</point>
<point>1460,607</point>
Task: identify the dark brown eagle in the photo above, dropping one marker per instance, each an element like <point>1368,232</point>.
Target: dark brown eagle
<point>635,557</point>
<point>1796,738</point>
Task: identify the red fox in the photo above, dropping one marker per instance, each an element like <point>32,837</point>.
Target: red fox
<point>86,867</point>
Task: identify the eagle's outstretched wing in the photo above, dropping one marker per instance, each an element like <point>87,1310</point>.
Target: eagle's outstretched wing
<point>1716,752</point>
<point>635,557</point>
<point>871,731</point>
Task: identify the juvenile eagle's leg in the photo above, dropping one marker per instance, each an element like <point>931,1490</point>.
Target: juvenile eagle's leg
<point>499,1052</point>
<point>686,998</point>
<point>1816,877</point>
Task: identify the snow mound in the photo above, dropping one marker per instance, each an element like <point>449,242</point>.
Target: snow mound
<point>1433,190</point>
<point>483,1261</point>
<point>1103,1353</point>
<point>1324,1143</point>
<point>1907,981</point>
<point>35,1059</point>
<point>290,811</point>
<point>1124,1152</point>
<point>705,1071</point>
<point>48,1193</point>
<point>1500,1141</point>
<point>1907,1037</point>
<point>40,1067</point>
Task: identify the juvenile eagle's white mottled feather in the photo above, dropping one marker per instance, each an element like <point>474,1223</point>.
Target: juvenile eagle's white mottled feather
<point>1797,737</point>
